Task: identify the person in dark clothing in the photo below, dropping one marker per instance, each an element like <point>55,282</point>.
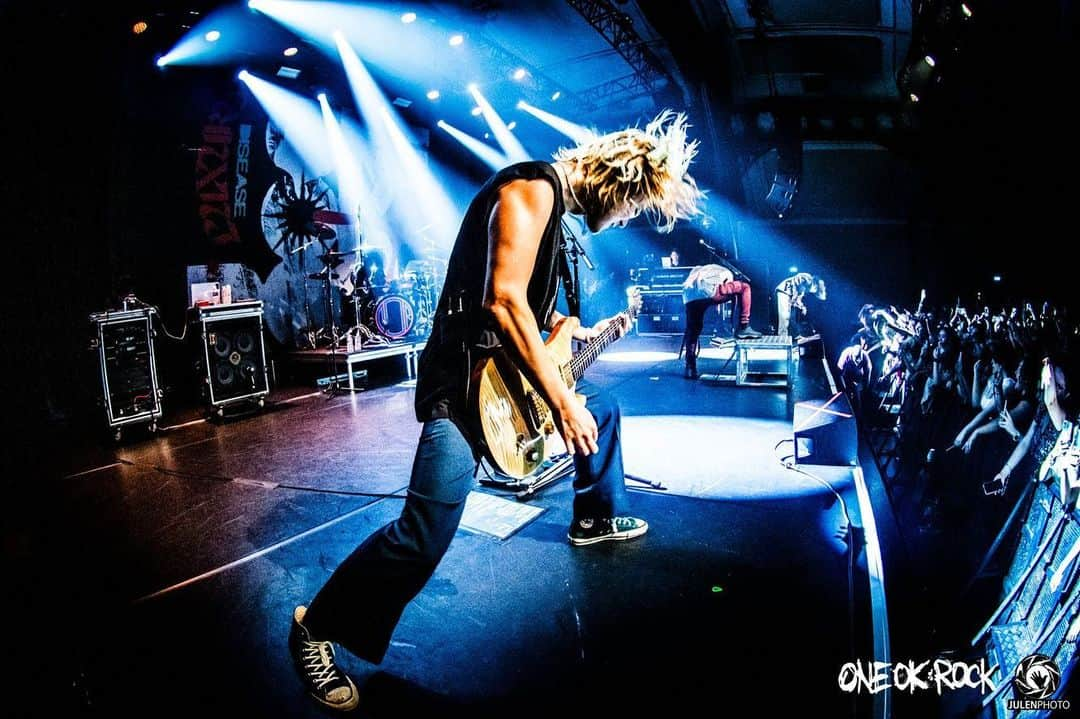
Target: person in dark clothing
<point>500,291</point>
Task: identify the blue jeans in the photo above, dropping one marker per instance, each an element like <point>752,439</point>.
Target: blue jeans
<point>362,602</point>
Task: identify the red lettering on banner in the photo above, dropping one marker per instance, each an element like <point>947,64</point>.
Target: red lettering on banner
<point>211,183</point>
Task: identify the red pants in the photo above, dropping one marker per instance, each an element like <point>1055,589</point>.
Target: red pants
<point>736,287</point>
<point>695,311</point>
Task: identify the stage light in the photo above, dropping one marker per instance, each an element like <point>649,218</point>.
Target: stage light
<point>511,125</point>
<point>965,9</point>
<point>472,87</point>
<point>511,146</point>
<point>997,278</point>
<point>793,269</point>
<point>476,111</point>
<point>914,97</point>
<point>213,36</point>
<point>298,118</point>
<point>139,28</point>
<point>289,51</point>
<point>161,61</point>
<point>520,104</point>
<point>456,40</point>
<point>929,60</point>
<point>321,97</point>
<point>494,159</point>
<point>243,75</point>
<point>519,74</point>
<point>393,152</point>
<point>556,95</point>
<point>433,94</point>
<point>578,133</point>
<point>408,17</point>
<point>487,135</point>
<point>253,4</point>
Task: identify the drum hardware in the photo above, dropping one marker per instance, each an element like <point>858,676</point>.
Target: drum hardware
<point>331,259</point>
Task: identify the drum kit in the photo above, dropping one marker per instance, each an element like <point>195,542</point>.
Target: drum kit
<point>377,310</point>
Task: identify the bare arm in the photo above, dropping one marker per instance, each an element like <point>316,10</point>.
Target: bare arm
<point>974,424</point>
<point>1018,453</point>
<point>514,232</point>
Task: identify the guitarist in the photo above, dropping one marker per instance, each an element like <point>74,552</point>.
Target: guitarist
<point>500,291</point>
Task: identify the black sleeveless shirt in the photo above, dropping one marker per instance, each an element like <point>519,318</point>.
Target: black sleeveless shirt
<point>463,331</point>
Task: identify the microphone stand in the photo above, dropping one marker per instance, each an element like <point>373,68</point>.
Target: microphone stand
<point>573,249</point>
<point>721,258</point>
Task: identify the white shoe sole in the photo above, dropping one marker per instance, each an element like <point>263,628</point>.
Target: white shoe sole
<point>613,537</point>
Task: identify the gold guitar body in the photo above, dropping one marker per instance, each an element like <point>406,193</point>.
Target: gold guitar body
<point>516,424</point>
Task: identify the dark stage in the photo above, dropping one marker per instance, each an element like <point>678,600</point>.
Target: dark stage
<point>171,563</point>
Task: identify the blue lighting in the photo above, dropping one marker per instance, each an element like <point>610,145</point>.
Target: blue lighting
<point>408,17</point>
<point>494,159</point>
<point>510,145</point>
<point>793,269</point>
<point>456,40</point>
<point>578,133</point>
<point>997,278</point>
<point>213,36</point>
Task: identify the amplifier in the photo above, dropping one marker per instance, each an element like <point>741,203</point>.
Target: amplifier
<point>232,356</point>
<point>124,341</point>
<point>661,313</point>
<point>663,278</point>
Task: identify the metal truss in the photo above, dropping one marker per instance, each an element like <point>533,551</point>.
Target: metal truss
<point>617,27</point>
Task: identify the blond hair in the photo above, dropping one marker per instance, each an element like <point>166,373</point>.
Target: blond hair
<point>645,169</point>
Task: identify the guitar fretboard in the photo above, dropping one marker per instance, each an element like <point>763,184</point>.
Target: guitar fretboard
<point>587,356</point>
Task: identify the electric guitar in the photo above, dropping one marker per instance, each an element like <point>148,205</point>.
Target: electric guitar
<point>515,424</point>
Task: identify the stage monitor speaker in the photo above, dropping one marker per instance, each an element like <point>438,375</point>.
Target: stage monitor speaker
<point>825,432</point>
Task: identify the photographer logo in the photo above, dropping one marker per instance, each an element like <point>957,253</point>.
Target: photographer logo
<point>1036,679</point>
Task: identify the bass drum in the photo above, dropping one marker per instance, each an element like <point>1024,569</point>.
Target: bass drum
<point>395,316</point>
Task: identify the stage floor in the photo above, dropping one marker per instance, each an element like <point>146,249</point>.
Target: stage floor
<point>159,576</point>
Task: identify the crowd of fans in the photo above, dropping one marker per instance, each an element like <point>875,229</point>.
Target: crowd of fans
<point>977,398</point>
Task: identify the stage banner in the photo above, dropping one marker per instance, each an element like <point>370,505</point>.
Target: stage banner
<point>262,204</point>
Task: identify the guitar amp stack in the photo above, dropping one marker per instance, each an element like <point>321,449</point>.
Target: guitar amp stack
<point>661,300</point>
<point>231,356</point>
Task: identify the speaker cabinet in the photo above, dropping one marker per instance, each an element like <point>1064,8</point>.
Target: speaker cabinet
<point>825,432</point>
<point>232,355</point>
<point>124,341</point>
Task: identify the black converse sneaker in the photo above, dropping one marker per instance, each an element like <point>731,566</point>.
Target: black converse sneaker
<point>314,661</point>
<point>616,529</point>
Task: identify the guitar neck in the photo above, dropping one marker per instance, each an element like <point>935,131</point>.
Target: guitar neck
<point>583,359</point>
